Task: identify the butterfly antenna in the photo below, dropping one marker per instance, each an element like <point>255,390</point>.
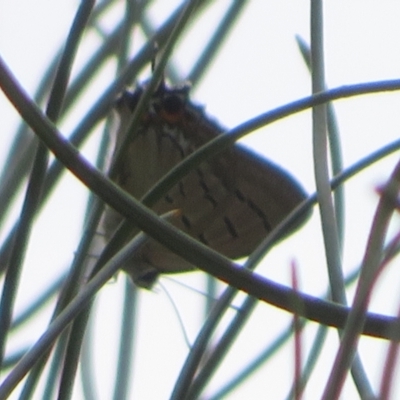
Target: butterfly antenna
<point>200,292</point>
<point>154,58</point>
<point>154,63</point>
<point>178,315</point>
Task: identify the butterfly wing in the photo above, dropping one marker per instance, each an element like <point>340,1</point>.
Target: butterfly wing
<point>229,203</point>
<point>232,201</point>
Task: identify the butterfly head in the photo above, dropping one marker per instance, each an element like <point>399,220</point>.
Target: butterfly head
<point>167,102</point>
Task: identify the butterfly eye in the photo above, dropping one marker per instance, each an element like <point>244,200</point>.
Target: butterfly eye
<point>173,104</point>
<point>129,99</point>
<point>172,107</point>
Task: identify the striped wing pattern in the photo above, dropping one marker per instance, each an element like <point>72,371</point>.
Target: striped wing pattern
<point>229,203</point>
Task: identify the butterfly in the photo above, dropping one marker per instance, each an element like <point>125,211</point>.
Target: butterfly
<point>229,202</point>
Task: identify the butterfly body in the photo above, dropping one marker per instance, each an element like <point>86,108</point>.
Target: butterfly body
<point>230,202</point>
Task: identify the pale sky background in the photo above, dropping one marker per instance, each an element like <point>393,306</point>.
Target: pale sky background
<point>259,68</point>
